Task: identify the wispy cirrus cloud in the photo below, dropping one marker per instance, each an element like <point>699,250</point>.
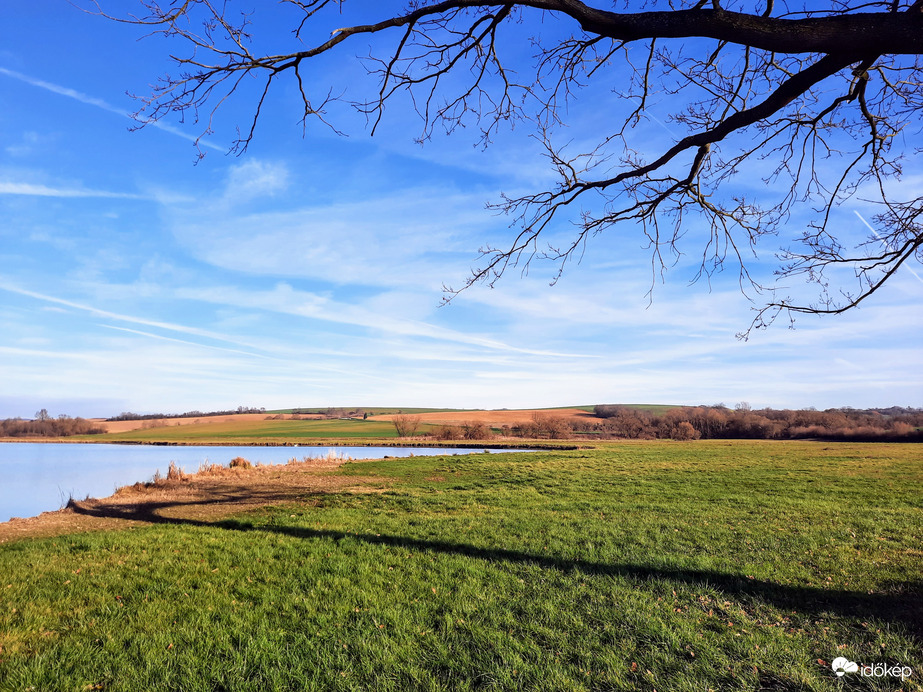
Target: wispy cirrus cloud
<point>286,300</point>
<point>254,178</point>
<point>167,326</point>
<point>161,337</point>
<point>34,190</point>
<point>106,106</point>
<point>405,239</point>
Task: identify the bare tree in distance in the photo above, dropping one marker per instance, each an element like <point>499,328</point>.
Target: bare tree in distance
<point>820,101</point>
<point>405,425</point>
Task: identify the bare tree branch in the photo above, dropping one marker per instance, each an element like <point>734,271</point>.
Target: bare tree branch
<point>811,99</point>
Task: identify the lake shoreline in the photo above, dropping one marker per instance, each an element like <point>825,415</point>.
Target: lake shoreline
<point>308,442</point>
<point>208,495</point>
<point>44,476</point>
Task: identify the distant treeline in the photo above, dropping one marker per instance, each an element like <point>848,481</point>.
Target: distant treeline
<point>720,422</point>
<point>707,422</point>
<point>128,415</point>
<point>62,426</point>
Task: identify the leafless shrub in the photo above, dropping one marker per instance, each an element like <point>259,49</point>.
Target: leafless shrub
<point>448,432</point>
<point>475,430</point>
<point>406,426</point>
<point>526,429</point>
<point>902,428</point>
<point>683,431</point>
<point>547,425</point>
<point>46,426</point>
<point>628,423</point>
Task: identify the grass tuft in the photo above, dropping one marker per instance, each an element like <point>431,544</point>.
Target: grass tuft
<point>240,463</point>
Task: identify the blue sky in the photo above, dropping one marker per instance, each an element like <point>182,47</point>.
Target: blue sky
<point>309,271</point>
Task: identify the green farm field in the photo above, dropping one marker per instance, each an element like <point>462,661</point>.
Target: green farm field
<point>631,566</point>
<point>254,432</point>
<point>371,410</point>
<point>261,429</point>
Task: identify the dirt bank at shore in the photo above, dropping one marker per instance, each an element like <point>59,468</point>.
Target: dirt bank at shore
<point>206,496</point>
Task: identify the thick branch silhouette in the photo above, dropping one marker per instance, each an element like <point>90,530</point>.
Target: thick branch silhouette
<point>820,101</point>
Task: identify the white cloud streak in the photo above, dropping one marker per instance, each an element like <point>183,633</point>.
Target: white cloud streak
<point>393,241</point>
<point>103,105</point>
<point>284,299</point>
<point>888,245</point>
<point>30,189</point>
<point>181,341</point>
<point>126,318</point>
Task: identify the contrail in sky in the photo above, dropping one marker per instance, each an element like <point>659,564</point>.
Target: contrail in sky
<point>99,103</point>
<point>862,219</point>
<point>11,188</point>
<point>183,341</point>
<point>193,331</point>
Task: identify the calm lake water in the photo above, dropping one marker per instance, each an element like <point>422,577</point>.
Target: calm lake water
<point>40,477</point>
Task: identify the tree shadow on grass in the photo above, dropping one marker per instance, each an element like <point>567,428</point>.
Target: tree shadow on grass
<point>899,603</point>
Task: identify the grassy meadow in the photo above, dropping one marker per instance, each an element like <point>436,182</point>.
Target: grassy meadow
<point>631,566</point>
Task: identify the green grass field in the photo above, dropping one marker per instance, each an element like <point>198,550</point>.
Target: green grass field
<point>656,409</point>
<point>254,431</point>
<point>635,566</point>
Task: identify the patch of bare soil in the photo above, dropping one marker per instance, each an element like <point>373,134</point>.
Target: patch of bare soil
<point>494,419</point>
<point>209,495</point>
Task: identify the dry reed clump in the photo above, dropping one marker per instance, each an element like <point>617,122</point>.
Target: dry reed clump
<point>175,473</point>
<point>240,463</point>
<point>174,476</point>
<point>209,469</point>
<point>331,457</point>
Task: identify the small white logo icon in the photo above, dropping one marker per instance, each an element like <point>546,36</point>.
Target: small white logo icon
<point>843,665</point>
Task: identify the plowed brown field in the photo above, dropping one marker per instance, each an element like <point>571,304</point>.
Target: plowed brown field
<point>497,418</point>
<point>118,426</point>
